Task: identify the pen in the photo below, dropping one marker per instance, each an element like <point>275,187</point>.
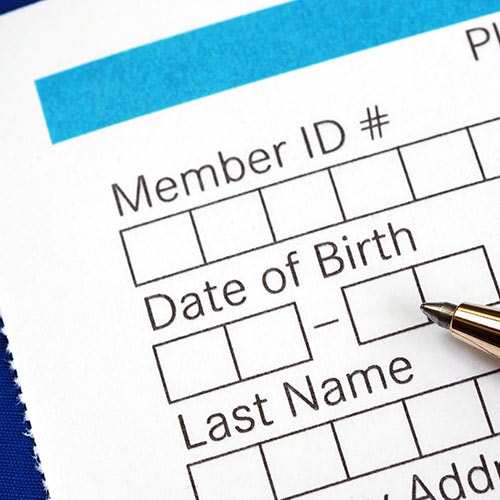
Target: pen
<point>476,325</point>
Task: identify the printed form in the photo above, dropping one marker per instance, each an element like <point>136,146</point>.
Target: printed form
<point>218,298</point>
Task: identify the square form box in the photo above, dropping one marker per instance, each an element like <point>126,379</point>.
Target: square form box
<point>304,461</point>
<point>302,205</point>
<point>489,387</point>
<point>153,248</point>
<point>447,417</point>
<point>453,278</point>
<point>376,439</point>
<point>232,226</point>
<point>486,138</point>
<point>268,341</point>
<point>385,305</point>
<point>440,164</point>
<point>195,364</point>
<point>371,184</point>
<point>236,475</point>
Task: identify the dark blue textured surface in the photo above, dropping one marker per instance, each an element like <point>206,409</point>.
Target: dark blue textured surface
<point>6,5</point>
<point>19,477</point>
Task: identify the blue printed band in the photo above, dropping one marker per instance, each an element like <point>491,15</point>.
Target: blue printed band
<point>233,53</point>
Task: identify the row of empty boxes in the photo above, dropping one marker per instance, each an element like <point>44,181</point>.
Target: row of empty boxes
<point>372,303</point>
<point>354,446</point>
<point>312,201</point>
<point>230,353</point>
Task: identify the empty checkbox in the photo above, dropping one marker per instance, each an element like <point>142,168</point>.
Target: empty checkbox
<point>447,417</point>
<point>304,461</point>
<point>384,305</point>
<point>441,164</point>
<point>153,248</point>
<point>232,226</point>
<point>236,475</point>
<point>268,341</point>
<point>486,138</point>
<point>195,364</point>
<point>464,276</point>
<point>371,184</point>
<point>302,205</point>
<point>489,387</point>
<point>376,439</point>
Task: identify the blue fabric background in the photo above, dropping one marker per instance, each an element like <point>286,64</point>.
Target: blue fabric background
<point>7,5</point>
<point>19,477</point>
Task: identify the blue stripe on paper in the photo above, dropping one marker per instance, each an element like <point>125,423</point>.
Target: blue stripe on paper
<point>233,53</point>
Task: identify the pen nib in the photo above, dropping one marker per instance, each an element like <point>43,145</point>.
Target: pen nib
<point>440,313</point>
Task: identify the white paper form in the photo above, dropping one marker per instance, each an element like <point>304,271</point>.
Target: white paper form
<point>220,299</point>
